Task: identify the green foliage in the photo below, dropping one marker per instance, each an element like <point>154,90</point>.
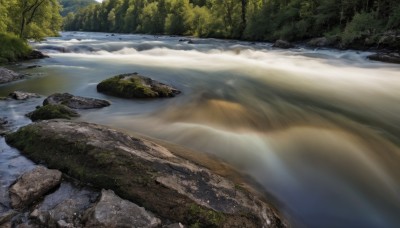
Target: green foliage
<point>71,6</point>
<point>362,25</point>
<point>249,19</point>
<point>12,48</point>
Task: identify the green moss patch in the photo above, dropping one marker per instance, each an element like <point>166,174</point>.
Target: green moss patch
<point>135,86</point>
<point>48,112</point>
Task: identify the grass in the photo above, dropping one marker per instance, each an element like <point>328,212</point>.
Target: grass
<point>12,48</point>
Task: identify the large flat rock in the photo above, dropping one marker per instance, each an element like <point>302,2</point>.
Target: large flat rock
<point>33,185</point>
<point>144,173</point>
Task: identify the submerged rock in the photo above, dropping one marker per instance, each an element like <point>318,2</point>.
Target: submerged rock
<point>33,185</point>
<point>7,75</point>
<point>19,95</point>
<point>386,57</point>
<point>112,211</point>
<point>50,111</point>
<point>135,86</point>
<point>75,102</point>
<point>282,44</point>
<point>144,173</point>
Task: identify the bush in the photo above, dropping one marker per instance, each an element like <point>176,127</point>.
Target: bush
<point>12,48</point>
<point>363,25</point>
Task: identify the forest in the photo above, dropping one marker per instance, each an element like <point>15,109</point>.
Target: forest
<point>365,22</point>
<point>21,20</point>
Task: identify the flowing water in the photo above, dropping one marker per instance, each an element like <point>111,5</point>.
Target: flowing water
<point>318,130</point>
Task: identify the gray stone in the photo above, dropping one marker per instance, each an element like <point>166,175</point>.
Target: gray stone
<point>75,102</point>
<point>7,75</point>
<point>7,216</point>
<point>33,185</point>
<point>386,57</point>
<point>282,44</point>
<point>19,95</point>
<point>112,211</point>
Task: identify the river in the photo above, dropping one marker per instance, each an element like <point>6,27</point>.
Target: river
<point>318,130</point>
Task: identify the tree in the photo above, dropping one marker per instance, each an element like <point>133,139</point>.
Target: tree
<point>37,18</point>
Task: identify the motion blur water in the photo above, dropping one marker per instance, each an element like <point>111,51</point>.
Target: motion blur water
<point>319,130</point>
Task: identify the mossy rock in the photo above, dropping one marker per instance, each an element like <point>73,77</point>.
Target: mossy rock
<point>144,173</point>
<point>48,112</point>
<point>135,86</point>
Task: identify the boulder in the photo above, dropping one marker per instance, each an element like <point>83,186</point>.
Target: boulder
<point>135,86</point>
<point>144,173</point>
<point>7,75</point>
<point>19,95</point>
<point>50,111</point>
<point>75,102</point>
<point>112,211</point>
<point>35,54</point>
<point>33,185</point>
<point>386,57</point>
<point>282,44</point>
<point>320,42</point>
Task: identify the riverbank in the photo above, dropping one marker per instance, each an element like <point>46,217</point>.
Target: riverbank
<point>285,118</point>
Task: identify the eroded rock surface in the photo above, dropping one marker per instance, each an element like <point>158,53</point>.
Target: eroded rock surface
<point>144,173</point>
<point>75,102</point>
<point>7,75</point>
<point>135,86</point>
<point>33,185</point>
<point>112,211</point>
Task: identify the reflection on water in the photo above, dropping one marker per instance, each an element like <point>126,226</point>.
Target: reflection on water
<point>318,129</point>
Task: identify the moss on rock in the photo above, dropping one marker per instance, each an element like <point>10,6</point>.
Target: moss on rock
<point>135,86</point>
<point>135,170</point>
<point>48,112</point>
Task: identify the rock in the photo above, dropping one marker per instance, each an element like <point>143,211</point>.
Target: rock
<point>175,225</point>
<point>189,41</point>
<point>35,54</point>
<point>64,206</point>
<point>3,126</point>
<point>19,95</point>
<point>75,102</point>
<point>7,216</point>
<point>33,185</point>
<point>9,76</point>
<point>33,66</point>
<point>319,42</point>
<point>50,111</point>
<point>386,57</point>
<point>135,86</point>
<point>112,211</point>
<point>282,44</point>
<point>143,172</point>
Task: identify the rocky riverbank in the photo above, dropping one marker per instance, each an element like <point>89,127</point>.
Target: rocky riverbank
<point>172,188</point>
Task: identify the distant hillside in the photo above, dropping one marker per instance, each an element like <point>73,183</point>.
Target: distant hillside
<point>74,5</point>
